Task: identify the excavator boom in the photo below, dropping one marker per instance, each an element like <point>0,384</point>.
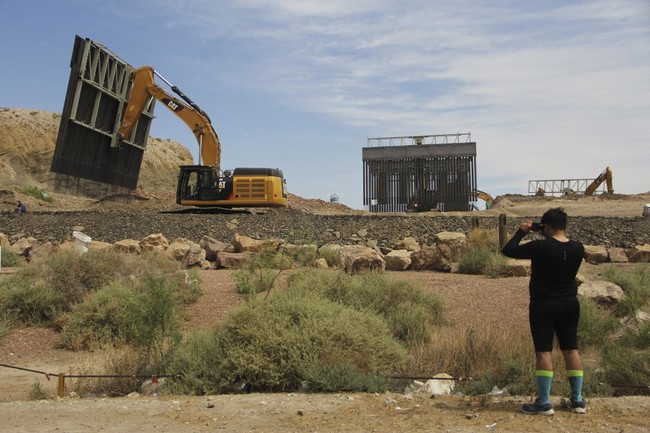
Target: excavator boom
<point>144,87</point>
<point>605,176</point>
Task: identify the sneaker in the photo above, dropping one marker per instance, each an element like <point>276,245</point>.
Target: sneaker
<point>578,406</point>
<point>538,409</point>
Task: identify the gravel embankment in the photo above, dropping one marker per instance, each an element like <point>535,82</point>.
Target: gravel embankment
<point>295,226</point>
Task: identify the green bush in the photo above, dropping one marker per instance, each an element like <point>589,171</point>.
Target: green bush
<point>596,323</point>
<point>38,193</point>
<point>39,294</point>
<point>410,311</point>
<point>103,319</point>
<point>9,258</point>
<point>342,377</point>
<point>635,282</point>
<point>474,261</point>
<point>483,255</point>
<point>483,261</point>
<point>270,344</point>
<point>260,273</point>
<point>30,302</point>
<point>153,319</point>
<point>625,365</point>
<point>198,360</point>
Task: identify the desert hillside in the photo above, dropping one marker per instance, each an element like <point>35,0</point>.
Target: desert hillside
<point>27,144</point>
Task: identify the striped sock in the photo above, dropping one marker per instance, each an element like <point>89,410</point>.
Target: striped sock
<point>575,381</point>
<point>544,380</point>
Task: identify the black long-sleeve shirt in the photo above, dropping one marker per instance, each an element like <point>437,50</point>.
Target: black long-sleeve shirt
<point>554,265</point>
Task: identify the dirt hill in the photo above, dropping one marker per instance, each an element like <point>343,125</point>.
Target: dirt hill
<point>27,144</point>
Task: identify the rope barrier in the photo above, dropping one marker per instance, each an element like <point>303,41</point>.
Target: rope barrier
<point>62,376</point>
<point>155,377</point>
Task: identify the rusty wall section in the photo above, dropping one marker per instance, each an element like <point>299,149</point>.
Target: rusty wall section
<point>441,174</point>
<point>87,145</point>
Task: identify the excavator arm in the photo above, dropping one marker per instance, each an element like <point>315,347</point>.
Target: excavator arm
<point>606,175</point>
<point>144,88</point>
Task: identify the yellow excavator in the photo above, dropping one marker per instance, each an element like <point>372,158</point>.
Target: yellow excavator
<point>487,198</point>
<point>204,184</point>
<point>605,176</point>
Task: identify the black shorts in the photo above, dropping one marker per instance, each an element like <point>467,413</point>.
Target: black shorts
<point>554,317</point>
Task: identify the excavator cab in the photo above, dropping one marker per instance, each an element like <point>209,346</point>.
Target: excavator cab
<point>200,185</point>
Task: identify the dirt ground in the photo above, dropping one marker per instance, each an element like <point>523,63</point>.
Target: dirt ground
<point>472,301</point>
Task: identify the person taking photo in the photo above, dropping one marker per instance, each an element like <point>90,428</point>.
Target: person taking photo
<point>553,309</point>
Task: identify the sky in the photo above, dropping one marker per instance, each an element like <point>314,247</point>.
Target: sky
<point>554,89</point>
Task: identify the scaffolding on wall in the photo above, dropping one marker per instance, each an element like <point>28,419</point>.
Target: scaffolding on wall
<point>436,172</point>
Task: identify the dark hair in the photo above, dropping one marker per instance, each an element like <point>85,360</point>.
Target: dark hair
<point>555,218</point>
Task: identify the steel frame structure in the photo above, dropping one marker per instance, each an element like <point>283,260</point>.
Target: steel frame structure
<point>555,187</point>
<point>425,168</point>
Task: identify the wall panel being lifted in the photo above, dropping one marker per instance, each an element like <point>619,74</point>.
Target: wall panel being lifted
<point>88,145</point>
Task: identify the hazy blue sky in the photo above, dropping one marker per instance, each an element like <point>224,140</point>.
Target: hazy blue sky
<point>549,89</point>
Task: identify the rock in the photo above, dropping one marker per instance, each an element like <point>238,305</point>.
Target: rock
<point>212,247</point>
<point>99,246</point>
<point>43,250</point>
<point>603,292</point>
<point>617,255</point>
<point>320,263</point>
<point>456,242</point>
<point>357,259</point>
<point>4,241</point>
<point>596,254</point>
<point>639,254</point>
<point>195,256</point>
<point>130,246</point>
<point>432,258</point>
<point>22,246</point>
<point>330,252</point>
<point>154,242</point>
<point>245,243</point>
<point>408,244</point>
<point>398,260</point>
<point>518,268</point>
<point>230,260</point>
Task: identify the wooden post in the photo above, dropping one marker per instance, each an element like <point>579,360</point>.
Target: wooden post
<point>474,222</point>
<point>503,234</point>
<point>61,385</point>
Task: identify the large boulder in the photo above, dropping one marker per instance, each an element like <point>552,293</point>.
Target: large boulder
<point>639,254</point>
<point>432,258</point>
<point>398,260</point>
<point>596,254</point>
<point>154,242</point>
<point>212,247</point>
<point>245,243</point>
<point>23,246</point>
<point>330,252</point>
<point>358,259</point>
<point>408,244</point>
<point>617,255</point>
<point>603,292</point>
<point>456,242</point>
<point>230,260</point>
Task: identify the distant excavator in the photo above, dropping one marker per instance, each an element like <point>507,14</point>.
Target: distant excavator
<point>605,176</point>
